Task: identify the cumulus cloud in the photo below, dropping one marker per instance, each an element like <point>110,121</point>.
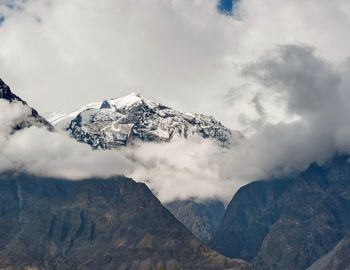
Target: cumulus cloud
<point>279,71</point>
<point>313,92</point>
<point>11,115</point>
<point>181,53</point>
<point>40,152</point>
<point>183,169</point>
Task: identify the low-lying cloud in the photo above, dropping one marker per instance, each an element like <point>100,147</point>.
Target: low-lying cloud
<point>38,151</point>
<point>181,169</point>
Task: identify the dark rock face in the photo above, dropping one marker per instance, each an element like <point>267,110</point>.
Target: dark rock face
<point>201,218</point>
<point>288,224</point>
<point>248,219</point>
<point>32,119</point>
<point>94,224</point>
<point>5,92</point>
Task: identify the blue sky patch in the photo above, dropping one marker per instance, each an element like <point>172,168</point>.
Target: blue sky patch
<point>226,6</point>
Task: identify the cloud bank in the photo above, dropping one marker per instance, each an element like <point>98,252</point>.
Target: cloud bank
<point>41,152</point>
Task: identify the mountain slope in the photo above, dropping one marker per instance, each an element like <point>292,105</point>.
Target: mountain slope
<point>32,118</point>
<point>248,218</point>
<point>94,224</point>
<point>201,218</point>
<point>118,122</point>
<point>288,224</point>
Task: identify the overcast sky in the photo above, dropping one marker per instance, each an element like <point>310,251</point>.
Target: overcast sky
<point>277,70</point>
<point>62,54</point>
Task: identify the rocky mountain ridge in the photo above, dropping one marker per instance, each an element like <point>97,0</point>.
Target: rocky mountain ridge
<point>118,122</point>
<point>33,118</point>
<point>94,224</point>
<point>288,223</point>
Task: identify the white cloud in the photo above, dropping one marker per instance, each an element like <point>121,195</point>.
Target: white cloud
<point>183,169</point>
<point>38,151</point>
<point>61,54</point>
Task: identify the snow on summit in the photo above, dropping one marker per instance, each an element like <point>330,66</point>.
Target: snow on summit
<point>118,122</point>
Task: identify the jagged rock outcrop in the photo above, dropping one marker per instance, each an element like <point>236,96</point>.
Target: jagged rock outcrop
<point>118,122</point>
<point>288,224</point>
<point>94,224</point>
<point>32,118</point>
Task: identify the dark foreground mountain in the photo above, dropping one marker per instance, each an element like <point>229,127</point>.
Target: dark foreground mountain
<point>291,223</point>
<point>94,224</point>
<point>31,118</point>
<point>202,218</point>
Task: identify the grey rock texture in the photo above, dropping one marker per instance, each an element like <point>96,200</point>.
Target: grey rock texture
<point>288,224</point>
<point>118,122</point>
<point>94,224</point>
<point>202,218</point>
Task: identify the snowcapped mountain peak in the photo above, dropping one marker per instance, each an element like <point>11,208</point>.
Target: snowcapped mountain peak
<point>118,122</point>
<point>123,102</point>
